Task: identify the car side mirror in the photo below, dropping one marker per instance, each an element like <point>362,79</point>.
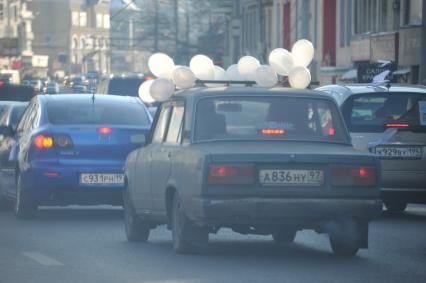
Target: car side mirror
<point>6,131</point>
<point>138,139</point>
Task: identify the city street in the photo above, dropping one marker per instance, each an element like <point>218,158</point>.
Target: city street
<point>88,245</point>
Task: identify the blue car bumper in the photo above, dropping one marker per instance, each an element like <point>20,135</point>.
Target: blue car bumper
<point>56,184</point>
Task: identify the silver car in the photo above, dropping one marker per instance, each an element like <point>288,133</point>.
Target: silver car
<point>389,121</point>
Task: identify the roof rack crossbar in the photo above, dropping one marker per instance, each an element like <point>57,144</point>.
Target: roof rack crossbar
<point>225,82</point>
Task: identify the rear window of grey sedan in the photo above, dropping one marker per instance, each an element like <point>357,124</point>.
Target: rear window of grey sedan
<point>62,113</point>
<point>268,118</point>
<point>373,112</point>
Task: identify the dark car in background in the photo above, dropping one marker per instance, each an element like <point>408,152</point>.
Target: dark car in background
<point>71,149</point>
<point>15,92</point>
<point>258,161</point>
<point>52,88</point>
<point>390,122</point>
<point>127,85</point>
<point>8,120</point>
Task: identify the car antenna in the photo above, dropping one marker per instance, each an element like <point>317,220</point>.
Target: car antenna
<point>93,97</point>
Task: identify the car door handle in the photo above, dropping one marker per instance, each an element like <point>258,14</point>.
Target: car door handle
<point>169,154</point>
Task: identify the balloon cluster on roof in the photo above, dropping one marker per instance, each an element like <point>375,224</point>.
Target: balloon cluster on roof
<point>281,62</point>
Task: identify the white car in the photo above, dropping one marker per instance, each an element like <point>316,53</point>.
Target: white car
<point>389,121</point>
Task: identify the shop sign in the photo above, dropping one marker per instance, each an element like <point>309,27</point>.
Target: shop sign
<point>410,41</point>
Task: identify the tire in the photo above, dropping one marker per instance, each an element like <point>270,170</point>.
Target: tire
<point>187,237</point>
<point>395,206</point>
<point>25,207</point>
<point>136,229</point>
<point>284,236</point>
<point>343,247</point>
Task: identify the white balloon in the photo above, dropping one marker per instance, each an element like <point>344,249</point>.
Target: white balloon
<point>299,77</point>
<point>233,74</point>
<point>144,92</point>
<point>247,66</point>
<point>183,77</point>
<point>203,67</point>
<point>162,89</point>
<point>161,65</point>
<point>219,75</point>
<point>281,60</point>
<point>303,52</point>
<point>266,76</point>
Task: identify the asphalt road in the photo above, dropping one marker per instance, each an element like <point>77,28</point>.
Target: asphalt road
<point>81,245</point>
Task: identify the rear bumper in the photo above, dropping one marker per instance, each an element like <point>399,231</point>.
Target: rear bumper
<point>66,188</point>
<point>263,211</point>
<point>409,186</point>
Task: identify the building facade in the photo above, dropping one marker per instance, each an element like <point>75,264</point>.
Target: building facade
<point>16,36</point>
<point>349,36</point>
<point>73,34</point>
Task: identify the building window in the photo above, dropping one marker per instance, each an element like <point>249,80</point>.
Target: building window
<point>349,22</point>
<point>106,22</point>
<point>99,23</point>
<point>1,12</point>
<point>413,12</point>
<point>74,18</point>
<point>83,19</point>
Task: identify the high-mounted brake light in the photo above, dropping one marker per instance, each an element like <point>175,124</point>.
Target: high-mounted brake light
<point>43,142</point>
<point>104,130</point>
<point>231,174</point>
<point>397,125</point>
<point>354,176</point>
<point>273,131</point>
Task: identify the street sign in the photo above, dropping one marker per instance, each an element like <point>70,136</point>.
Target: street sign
<point>367,71</point>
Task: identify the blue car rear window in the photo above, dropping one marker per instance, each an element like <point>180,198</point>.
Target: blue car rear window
<point>65,112</point>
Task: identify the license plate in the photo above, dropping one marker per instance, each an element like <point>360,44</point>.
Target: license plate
<point>291,177</point>
<point>101,179</point>
<point>408,152</point>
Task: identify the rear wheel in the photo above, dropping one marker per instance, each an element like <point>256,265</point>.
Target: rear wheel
<point>25,206</point>
<point>187,237</point>
<point>284,236</point>
<point>137,230</point>
<point>395,206</point>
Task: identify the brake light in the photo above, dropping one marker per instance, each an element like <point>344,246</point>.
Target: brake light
<point>331,132</point>
<point>273,131</point>
<point>1,83</point>
<point>353,176</point>
<point>397,125</point>
<point>231,174</point>
<point>43,142</point>
<point>104,130</point>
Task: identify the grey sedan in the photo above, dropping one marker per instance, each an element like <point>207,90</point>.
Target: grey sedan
<point>258,161</point>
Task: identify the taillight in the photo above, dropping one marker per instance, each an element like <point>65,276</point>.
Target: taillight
<point>43,142</point>
<point>397,125</point>
<point>63,140</point>
<point>273,131</point>
<point>104,130</point>
<point>231,174</point>
<point>354,176</point>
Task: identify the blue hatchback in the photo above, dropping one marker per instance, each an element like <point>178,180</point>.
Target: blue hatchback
<point>71,149</point>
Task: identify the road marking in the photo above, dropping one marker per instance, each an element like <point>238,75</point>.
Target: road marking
<point>42,259</point>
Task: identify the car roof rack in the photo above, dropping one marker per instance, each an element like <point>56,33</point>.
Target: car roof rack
<point>283,83</point>
<point>224,82</point>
